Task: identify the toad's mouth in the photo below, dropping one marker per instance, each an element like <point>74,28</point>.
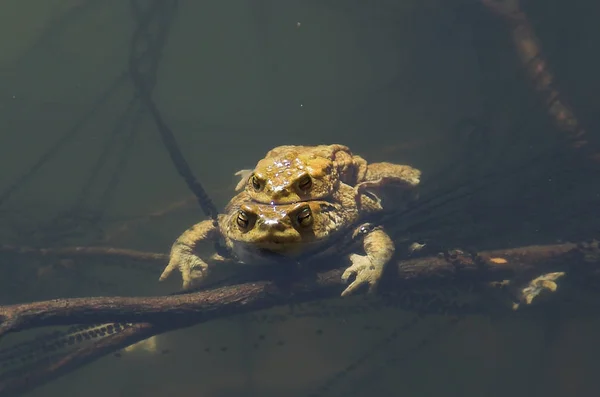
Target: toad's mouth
<point>275,251</point>
<point>282,245</point>
<point>287,247</point>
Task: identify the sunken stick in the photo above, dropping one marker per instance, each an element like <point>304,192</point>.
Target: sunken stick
<point>187,310</point>
<point>529,50</point>
<point>225,301</point>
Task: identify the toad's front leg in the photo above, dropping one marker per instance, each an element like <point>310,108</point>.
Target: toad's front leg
<point>382,174</point>
<point>369,268</point>
<point>183,254</point>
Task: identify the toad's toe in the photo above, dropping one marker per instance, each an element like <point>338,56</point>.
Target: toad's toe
<point>545,282</point>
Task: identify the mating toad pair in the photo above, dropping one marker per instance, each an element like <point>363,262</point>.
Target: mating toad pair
<point>302,202</point>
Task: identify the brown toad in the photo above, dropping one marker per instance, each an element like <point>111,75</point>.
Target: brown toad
<point>289,174</point>
<point>253,232</point>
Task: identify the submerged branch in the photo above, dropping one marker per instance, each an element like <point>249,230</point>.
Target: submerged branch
<point>175,312</point>
<point>455,266</point>
<point>73,252</point>
<point>529,50</point>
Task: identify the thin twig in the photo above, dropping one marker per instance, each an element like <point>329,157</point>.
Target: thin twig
<point>152,41</point>
<point>123,253</point>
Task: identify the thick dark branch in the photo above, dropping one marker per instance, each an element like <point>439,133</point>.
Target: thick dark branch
<point>224,301</point>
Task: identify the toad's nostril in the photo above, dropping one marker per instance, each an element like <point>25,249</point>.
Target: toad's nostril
<point>275,226</point>
<point>280,191</point>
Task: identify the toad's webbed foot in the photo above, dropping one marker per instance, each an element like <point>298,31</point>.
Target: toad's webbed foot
<point>183,257</point>
<point>365,271</point>
<point>369,268</point>
<point>545,282</point>
<point>192,268</point>
<point>381,174</point>
<point>244,175</point>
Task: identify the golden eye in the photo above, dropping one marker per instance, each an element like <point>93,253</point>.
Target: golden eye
<point>305,217</point>
<point>305,183</point>
<point>256,183</point>
<point>242,220</point>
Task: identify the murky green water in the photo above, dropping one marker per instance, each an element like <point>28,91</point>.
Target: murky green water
<point>435,84</point>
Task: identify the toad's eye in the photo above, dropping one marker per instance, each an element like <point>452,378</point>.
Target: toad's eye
<point>305,217</point>
<point>305,183</point>
<point>242,220</point>
<point>257,183</point>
